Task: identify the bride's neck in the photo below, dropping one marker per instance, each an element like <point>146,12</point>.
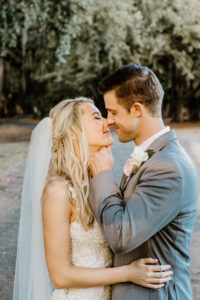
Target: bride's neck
<point>94,149</point>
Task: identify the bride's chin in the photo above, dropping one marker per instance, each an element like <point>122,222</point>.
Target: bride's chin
<point>110,140</point>
<point>108,144</point>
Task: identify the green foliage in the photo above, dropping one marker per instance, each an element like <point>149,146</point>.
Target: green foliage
<point>53,50</point>
<point>170,44</point>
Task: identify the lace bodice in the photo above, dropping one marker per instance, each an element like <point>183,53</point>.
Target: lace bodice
<point>88,249</point>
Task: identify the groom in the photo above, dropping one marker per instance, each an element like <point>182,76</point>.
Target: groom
<point>152,213</point>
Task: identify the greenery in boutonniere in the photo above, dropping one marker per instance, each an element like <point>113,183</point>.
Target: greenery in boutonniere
<point>150,152</point>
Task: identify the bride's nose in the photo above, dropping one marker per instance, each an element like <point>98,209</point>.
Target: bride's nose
<point>108,122</point>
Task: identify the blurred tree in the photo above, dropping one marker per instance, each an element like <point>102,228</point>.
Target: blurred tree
<point>52,50</point>
<point>170,43</point>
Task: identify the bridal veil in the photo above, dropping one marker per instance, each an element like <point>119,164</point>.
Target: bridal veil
<point>32,280</point>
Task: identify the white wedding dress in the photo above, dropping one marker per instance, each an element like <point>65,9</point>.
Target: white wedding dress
<point>90,250</point>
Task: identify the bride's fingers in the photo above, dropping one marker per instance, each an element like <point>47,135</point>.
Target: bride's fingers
<point>161,274</point>
<point>149,260</point>
<point>156,283</point>
<point>159,280</point>
<point>154,286</point>
<point>160,268</point>
<point>155,268</point>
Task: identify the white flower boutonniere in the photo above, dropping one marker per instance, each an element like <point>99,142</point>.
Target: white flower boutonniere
<point>137,158</point>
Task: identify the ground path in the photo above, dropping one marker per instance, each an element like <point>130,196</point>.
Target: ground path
<point>10,191</point>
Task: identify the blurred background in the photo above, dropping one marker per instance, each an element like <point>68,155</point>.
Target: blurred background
<point>52,50</point>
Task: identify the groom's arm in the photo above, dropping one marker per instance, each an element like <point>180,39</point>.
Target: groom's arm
<point>155,203</point>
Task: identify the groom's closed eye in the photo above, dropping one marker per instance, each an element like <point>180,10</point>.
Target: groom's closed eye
<point>111,112</point>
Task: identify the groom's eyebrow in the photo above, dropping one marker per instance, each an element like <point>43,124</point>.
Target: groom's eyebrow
<point>110,109</point>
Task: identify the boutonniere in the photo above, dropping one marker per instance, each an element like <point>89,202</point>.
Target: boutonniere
<point>137,158</point>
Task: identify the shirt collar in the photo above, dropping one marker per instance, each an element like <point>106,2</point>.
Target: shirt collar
<point>145,145</point>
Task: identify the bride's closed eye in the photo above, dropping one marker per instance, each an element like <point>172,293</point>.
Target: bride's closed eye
<point>97,116</point>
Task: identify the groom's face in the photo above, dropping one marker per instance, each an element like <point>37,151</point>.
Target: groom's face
<point>126,123</point>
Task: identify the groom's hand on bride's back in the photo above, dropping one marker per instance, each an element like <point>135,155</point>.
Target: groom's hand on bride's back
<point>101,160</point>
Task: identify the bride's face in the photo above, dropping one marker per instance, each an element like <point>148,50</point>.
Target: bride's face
<point>96,127</point>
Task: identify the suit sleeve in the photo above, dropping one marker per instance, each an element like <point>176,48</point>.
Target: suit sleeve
<point>154,203</point>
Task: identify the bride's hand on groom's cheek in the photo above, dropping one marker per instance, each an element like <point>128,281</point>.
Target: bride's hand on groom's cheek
<point>144,272</point>
<point>101,160</point>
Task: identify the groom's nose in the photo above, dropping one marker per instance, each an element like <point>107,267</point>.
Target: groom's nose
<point>110,121</point>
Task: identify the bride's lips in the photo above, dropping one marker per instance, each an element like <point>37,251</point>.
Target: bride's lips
<point>107,132</point>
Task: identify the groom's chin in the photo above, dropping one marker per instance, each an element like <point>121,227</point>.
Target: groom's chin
<point>122,140</point>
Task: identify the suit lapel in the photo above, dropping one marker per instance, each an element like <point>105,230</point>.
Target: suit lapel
<point>123,181</point>
<point>163,141</point>
<point>127,181</point>
<point>156,146</point>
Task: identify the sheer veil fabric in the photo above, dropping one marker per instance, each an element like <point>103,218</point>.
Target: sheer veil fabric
<point>32,280</point>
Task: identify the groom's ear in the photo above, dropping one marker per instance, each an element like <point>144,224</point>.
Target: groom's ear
<point>137,110</point>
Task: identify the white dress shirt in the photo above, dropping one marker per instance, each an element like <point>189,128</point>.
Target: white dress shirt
<point>145,145</point>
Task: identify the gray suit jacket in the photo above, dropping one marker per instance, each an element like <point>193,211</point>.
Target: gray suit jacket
<point>151,215</point>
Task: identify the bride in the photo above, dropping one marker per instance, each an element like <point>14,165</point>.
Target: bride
<point>61,252</point>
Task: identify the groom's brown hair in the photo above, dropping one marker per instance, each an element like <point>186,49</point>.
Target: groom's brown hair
<point>132,84</point>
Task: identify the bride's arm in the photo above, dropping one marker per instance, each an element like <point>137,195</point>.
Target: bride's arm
<point>56,214</point>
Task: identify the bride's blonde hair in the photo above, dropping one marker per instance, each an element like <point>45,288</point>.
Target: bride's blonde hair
<point>70,159</point>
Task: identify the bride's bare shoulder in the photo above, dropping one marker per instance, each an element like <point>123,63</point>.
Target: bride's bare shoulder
<point>56,202</point>
<point>56,189</point>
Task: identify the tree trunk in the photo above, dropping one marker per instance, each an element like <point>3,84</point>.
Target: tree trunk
<point>1,79</point>
<point>173,93</point>
<point>179,110</point>
<point>177,106</point>
<point>23,44</point>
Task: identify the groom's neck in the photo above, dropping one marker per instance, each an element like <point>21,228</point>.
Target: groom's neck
<point>147,128</point>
